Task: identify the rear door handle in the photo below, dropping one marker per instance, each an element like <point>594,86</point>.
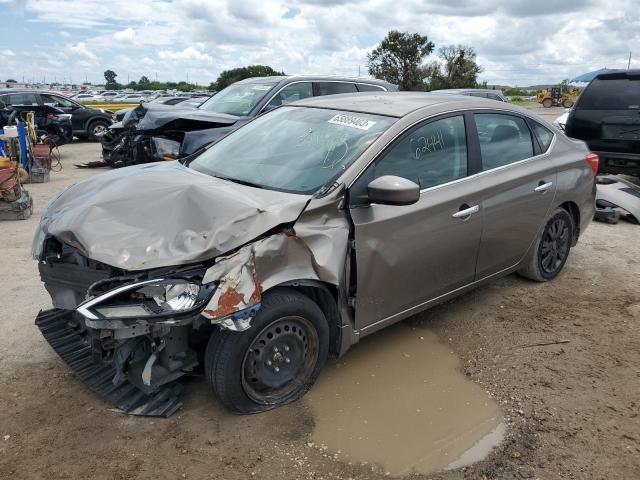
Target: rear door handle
<point>466,210</point>
<point>543,187</point>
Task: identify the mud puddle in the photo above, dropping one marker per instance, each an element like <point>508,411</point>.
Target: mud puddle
<point>399,400</point>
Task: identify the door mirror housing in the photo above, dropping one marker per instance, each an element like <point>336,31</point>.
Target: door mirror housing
<point>392,190</point>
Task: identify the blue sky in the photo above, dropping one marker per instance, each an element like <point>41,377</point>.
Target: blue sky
<point>518,41</point>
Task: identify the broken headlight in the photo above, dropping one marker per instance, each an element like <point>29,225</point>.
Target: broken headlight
<point>165,149</point>
<point>151,298</point>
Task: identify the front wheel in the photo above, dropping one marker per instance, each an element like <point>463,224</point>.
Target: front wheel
<point>567,103</point>
<point>97,128</point>
<point>547,103</point>
<point>273,363</point>
<point>551,249</point>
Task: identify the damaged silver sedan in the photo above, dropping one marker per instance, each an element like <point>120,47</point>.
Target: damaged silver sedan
<point>289,240</point>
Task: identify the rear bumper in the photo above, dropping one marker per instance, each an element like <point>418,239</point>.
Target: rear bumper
<point>615,162</point>
<point>66,334</point>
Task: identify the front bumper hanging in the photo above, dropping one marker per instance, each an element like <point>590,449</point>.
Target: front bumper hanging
<point>69,340</point>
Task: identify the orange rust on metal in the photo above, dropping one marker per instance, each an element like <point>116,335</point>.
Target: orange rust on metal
<point>227,304</point>
<point>232,301</point>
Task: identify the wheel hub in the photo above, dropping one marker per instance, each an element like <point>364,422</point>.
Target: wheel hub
<point>279,358</point>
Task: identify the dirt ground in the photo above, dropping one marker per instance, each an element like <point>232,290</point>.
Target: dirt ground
<point>562,360</point>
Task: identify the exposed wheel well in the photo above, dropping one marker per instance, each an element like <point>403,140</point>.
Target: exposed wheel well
<point>326,297</point>
<point>574,211</point>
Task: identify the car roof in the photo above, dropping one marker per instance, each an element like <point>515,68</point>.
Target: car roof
<point>619,74</point>
<point>314,78</point>
<point>460,90</point>
<point>399,104</point>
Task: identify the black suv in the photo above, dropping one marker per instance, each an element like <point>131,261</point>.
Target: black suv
<point>87,122</point>
<point>607,117</point>
<point>154,132</point>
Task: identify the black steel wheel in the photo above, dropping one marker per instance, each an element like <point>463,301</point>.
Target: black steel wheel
<point>279,359</point>
<point>556,241</point>
<point>548,255</point>
<point>276,360</point>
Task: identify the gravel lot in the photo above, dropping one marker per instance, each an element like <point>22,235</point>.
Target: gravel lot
<point>571,408</point>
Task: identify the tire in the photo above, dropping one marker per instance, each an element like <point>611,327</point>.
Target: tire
<point>547,103</point>
<point>566,103</point>
<point>95,127</point>
<point>252,372</point>
<point>548,255</point>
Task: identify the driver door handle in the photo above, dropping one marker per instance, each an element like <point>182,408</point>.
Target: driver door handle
<point>466,211</point>
<point>543,187</point>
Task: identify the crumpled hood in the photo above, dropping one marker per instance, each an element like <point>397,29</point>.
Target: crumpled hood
<point>154,116</point>
<point>163,214</point>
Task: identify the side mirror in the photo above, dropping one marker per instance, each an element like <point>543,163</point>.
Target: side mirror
<point>392,190</point>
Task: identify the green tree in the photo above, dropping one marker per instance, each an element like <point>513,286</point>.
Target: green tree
<point>110,78</point>
<point>228,77</point>
<point>457,68</point>
<point>399,59</point>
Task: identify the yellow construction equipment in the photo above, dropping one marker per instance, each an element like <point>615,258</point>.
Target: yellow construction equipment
<point>555,98</point>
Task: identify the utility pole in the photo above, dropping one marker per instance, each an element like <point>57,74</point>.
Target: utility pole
<point>187,77</point>
<point>629,63</point>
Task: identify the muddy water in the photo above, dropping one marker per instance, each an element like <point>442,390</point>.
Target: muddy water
<point>399,400</point>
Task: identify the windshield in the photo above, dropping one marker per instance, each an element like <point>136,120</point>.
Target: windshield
<point>292,149</point>
<point>237,99</point>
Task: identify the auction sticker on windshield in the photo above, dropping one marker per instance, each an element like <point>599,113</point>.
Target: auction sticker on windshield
<point>351,121</point>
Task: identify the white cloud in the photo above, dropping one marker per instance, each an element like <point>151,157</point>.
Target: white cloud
<point>518,42</point>
<point>126,36</point>
<point>8,53</point>
<point>80,50</point>
<point>189,54</point>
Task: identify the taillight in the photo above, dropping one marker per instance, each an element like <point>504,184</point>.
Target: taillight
<point>593,160</point>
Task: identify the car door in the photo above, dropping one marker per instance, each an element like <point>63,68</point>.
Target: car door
<point>409,255</point>
<point>519,184</point>
<point>78,113</point>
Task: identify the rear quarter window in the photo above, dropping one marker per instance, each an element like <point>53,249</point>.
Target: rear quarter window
<point>543,135</point>
<point>611,94</point>
<point>369,88</point>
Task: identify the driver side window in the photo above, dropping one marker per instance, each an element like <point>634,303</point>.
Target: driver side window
<point>430,154</point>
<point>291,93</point>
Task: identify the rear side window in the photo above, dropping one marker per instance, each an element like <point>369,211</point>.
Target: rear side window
<point>430,154</point>
<point>504,139</point>
<point>477,94</point>
<point>362,87</point>
<point>16,99</point>
<point>495,96</point>
<point>333,88</point>
<point>611,94</point>
<point>543,135</point>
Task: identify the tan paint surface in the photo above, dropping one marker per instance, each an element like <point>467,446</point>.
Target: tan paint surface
<point>399,400</point>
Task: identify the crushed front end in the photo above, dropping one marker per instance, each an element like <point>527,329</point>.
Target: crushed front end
<point>128,336</point>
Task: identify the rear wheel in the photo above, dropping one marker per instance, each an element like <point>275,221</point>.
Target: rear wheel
<point>273,363</point>
<point>547,103</point>
<point>551,250</point>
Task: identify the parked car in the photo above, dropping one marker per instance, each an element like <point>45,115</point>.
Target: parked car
<point>49,121</point>
<point>86,122</point>
<point>606,116</point>
<point>476,92</point>
<point>297,235</point>
<point>89,97</point>
<point>110,95</point>
<point>157,132</point>
<point>169,100</point>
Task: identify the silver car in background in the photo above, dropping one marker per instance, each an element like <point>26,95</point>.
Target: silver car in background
<point>307,229</point>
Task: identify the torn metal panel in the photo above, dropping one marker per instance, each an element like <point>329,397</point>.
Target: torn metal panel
<point>315,250</point>
<point>238,287</point>
<point>164,214</point>
<point>614,191</point>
